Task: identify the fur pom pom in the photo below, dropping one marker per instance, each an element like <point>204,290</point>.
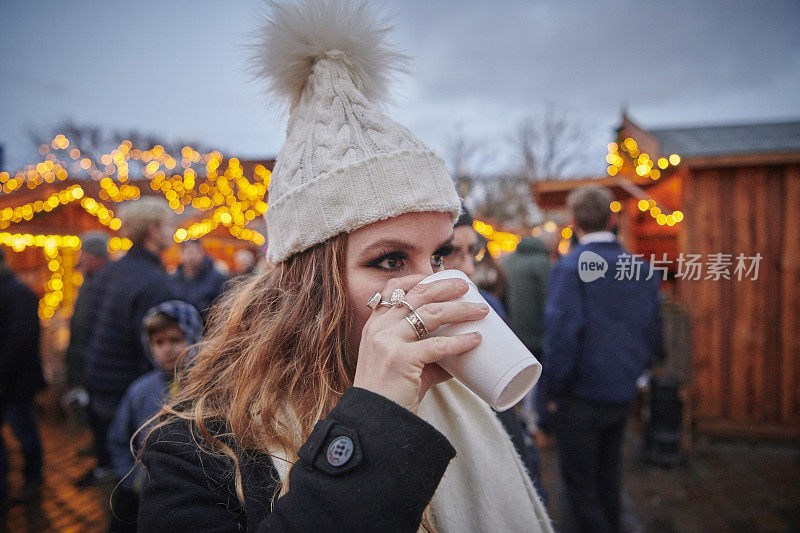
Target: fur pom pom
<point>295,35</point>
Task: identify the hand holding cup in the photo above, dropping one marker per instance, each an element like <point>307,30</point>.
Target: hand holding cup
<point>393,361</point>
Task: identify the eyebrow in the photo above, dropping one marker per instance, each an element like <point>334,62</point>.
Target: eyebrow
<point>397,244</point>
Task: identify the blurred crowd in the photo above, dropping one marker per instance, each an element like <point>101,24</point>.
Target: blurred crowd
<point>134,326</point>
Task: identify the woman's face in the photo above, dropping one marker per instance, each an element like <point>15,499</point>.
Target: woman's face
<point>413,243</point>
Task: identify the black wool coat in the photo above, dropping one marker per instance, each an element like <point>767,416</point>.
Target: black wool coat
<point>124,291</point>
<point>396,462</point>
<point>20,363</point>
<point>84,314</point>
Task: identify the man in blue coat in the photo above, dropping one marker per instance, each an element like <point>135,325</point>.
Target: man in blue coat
<point>126,290</point>
<point>602,330</point>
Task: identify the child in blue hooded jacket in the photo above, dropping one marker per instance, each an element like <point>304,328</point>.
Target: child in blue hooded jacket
<point>169,329</point>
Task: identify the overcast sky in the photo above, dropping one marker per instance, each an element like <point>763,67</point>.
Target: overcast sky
<point>178,69</point>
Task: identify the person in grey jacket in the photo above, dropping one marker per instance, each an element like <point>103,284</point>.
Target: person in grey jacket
<point>527,271</point>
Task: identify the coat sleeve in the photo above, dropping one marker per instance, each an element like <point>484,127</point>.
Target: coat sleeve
<point>119,435</point>
<point>654,332</point>
<point>8,340</point>
<point>19,339</point>
<point>396,464</point>
<point>564,326</point>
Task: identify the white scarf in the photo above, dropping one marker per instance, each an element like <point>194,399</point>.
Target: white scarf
<point>485,487</point>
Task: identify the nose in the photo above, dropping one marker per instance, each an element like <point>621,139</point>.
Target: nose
<point>424,268</point>
<point>468,267</point>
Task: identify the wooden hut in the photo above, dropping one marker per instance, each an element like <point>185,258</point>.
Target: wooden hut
<point>737,188</point>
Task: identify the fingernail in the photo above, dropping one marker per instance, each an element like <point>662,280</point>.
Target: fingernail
<point>476,334</point>
<point>484,307</point>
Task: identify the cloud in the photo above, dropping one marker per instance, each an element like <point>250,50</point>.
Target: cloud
<point>482,64</point>
<point>30,81</point>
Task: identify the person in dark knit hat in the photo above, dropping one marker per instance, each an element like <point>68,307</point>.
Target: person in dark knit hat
<point>94,254</point>
<point>466,244</point>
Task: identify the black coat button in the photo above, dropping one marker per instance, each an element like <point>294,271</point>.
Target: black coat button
<point>340,451</point>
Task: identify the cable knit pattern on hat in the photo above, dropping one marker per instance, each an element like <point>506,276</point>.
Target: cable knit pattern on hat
<point>344,164</point>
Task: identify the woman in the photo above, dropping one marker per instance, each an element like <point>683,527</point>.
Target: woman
<point>306,409</point>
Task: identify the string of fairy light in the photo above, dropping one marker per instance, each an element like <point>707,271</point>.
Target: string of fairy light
<point>230,199</point>
<point>53,247</point>
<point>643,166</point>
<point>71,194</point>
<point>500,241</point>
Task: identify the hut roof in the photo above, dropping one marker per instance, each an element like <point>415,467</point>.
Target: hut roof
<point>709,141</point>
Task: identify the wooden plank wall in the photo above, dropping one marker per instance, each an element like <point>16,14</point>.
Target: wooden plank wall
<point>790,323</point>
<point>746,364</point>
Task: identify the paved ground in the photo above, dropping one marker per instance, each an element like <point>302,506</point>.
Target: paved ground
<point>723,487</point>
<point>62,506</point>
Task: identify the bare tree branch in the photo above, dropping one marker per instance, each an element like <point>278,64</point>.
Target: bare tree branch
<point>549,146</point>
<point>92,141</point>
<point>468,158</point>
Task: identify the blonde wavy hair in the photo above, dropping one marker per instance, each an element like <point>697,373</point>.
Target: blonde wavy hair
<point>277,340</point>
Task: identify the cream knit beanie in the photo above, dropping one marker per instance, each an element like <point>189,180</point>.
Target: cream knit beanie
<point>344,164</point>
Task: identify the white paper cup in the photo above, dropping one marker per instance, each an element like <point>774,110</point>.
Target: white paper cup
<point>500,370</point>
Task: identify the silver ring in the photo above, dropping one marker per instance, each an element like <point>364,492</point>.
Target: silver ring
<point>397,296</point>
<point>403,302</point>
<point>374,301</point>
<point>417,323</point>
